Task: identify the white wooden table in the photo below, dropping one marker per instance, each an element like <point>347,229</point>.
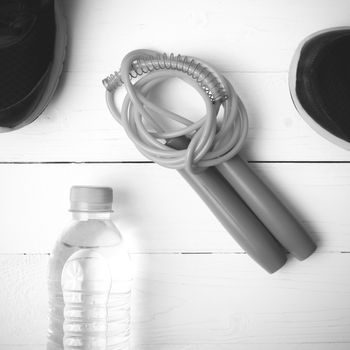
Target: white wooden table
<point>194,288</point>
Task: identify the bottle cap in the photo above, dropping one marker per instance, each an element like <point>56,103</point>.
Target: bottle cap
<point>91,199</point>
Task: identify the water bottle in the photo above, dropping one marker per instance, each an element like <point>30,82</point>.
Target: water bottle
<point>89,278</point>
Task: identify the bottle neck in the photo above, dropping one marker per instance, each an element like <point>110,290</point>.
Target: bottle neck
<point>85,215</point>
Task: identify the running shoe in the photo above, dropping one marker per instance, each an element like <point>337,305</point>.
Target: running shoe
<point>32,50</point>
<point>319,83</point>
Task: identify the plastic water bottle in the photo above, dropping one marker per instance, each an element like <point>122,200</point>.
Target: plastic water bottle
<point>89,278</point>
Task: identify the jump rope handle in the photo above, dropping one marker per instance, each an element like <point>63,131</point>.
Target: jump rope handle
<point>267,207</point>
<point>234,214</point>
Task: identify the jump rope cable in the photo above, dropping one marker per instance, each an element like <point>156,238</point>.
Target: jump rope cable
<point>205,152</point>
<point>212,139</point>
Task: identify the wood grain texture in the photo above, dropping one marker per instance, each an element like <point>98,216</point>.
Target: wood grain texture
<point>77,126</point>
<point>157,211</point>
<point>189,301</point>
<point>251,41</point>
<point>248,35</point>
<point>194,288</point>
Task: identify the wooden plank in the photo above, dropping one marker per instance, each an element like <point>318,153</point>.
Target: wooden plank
<point>156,209</point>
<point>77,126</point>
<point>238,35</point>
<point>190,300</point>
<point>23,299</point>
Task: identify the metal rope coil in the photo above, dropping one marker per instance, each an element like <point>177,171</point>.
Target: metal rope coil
<point>196,70</point>
<point>212,140</point>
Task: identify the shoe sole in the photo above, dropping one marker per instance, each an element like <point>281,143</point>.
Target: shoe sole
<point>292,90</point>
<point>55,70</point>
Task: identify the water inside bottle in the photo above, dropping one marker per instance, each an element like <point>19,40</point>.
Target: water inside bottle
<point>89,298</point>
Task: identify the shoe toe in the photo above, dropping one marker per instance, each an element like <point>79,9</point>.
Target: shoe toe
<point>322,81</point>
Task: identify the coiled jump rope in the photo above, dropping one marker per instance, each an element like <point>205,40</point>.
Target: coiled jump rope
<point>205,152</point>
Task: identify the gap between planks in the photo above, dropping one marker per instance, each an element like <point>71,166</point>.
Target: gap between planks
<point>150,162</point>
<point>176,253</point>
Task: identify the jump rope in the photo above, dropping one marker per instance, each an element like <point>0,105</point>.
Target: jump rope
<point>206,152</point>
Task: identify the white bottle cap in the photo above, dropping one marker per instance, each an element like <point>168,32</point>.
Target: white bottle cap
<point>91,199</point>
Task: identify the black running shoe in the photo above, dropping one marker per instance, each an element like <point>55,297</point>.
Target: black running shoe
<point>32,51</point>
<point>320,83</point>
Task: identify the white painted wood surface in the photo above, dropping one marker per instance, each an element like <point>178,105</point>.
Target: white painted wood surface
<point>76,127</point>
<point>194,300</point>
<point>251,41</point>
<point>194,287</point>
<point>158,211</point>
